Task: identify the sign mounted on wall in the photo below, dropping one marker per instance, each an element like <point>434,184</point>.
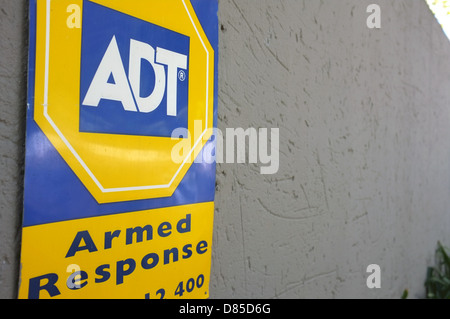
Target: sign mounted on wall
<point>108,213</point>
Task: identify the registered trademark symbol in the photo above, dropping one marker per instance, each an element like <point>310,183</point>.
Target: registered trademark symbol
<point>182,75</point>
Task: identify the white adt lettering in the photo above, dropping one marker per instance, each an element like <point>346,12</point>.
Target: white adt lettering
<point>143,51</point>
<point>174,61</point>
<point>128,90</point>
<point>111,65</point>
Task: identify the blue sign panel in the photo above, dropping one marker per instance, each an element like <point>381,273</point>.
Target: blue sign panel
<point>134,79</point>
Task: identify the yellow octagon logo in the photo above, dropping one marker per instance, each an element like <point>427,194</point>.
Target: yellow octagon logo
<point>116,165</point>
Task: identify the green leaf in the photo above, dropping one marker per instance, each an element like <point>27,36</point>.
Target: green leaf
<point>437,283</point>
<point>405,294</point>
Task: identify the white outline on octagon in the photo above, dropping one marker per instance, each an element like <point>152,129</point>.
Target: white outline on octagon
<point>72,150</point>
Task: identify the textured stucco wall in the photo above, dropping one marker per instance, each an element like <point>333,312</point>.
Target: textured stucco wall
<point>364,118</point>
<point>13,67</point>
<point>364,147</point>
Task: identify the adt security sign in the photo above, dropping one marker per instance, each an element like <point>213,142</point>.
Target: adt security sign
<point>107,212</point>
<point>114,90</point>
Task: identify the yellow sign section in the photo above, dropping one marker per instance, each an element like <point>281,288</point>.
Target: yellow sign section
<point>154,254</point>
